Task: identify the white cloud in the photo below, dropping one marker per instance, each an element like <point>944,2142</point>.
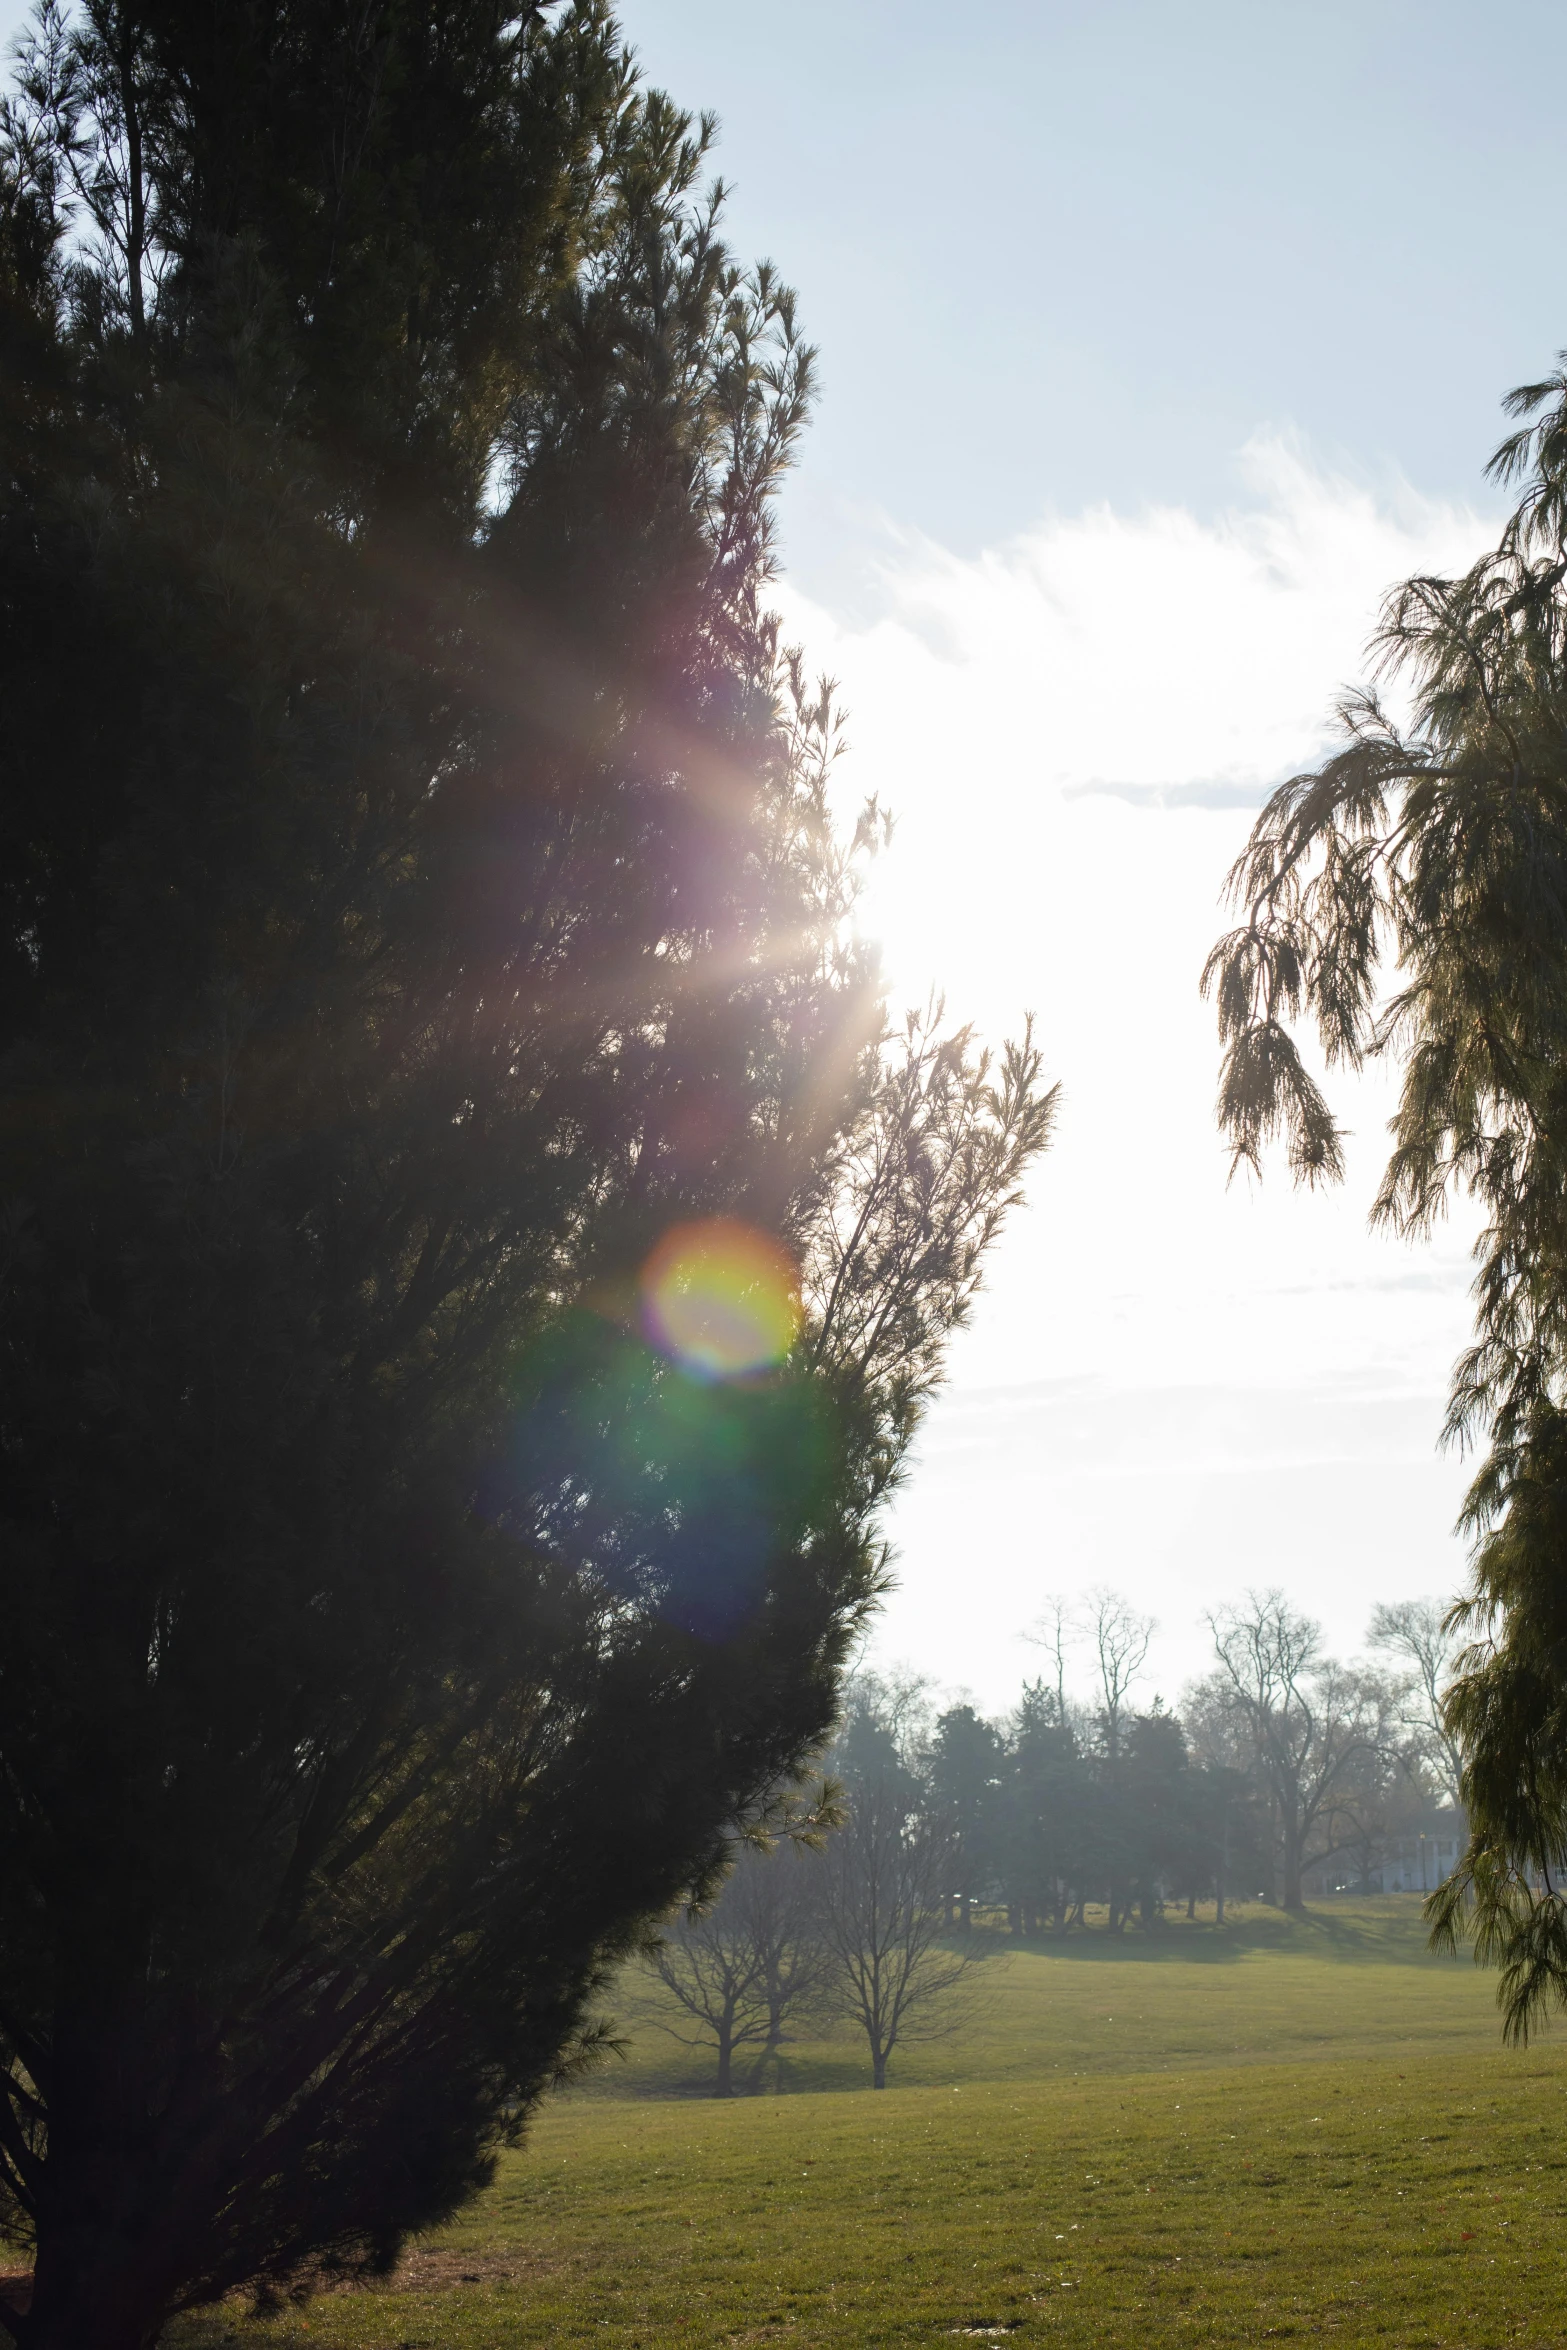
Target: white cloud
<point>1172,1386</point>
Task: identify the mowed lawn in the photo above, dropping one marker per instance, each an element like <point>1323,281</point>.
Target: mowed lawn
<point>1285,2130</point>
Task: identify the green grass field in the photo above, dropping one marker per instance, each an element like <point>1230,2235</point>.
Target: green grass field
<point>1284,2130</point>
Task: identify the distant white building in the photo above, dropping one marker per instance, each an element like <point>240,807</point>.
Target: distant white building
<point>1414,1857</point>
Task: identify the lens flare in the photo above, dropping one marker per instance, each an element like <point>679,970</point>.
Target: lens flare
<point>721,1298</point>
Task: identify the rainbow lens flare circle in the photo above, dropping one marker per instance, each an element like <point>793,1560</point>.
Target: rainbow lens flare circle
<point>721,1299</point>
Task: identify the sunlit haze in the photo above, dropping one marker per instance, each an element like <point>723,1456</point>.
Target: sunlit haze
<point>1156,344</point>
<point>1172,1385</point>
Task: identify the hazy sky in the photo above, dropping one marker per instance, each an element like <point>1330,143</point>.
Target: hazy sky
<point>1055,254</point>
<point>1156,340</point>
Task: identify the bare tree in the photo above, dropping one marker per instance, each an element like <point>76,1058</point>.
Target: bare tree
<point>883,1877</point>
<point>1384,1805</point>
<point>1120,1638</point>
<point>707,1961</point>
<point>1416,1632</point>
<point>1312,1726</point>
<point>737,1967</point>
<point>1054,1630</point>
<point>777,1901</point>
<point>888,1712</point>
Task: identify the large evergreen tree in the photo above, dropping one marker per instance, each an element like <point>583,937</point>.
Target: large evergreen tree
<point>417,899</point>
<point>963,1780</point>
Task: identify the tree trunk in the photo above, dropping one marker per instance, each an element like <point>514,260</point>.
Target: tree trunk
<point>769,2047</point>
<point>878,2068</point>
<point>80,2306</point>
<point>100,2282</point>
<point>81,2325</point>
<point>726,2051</point>
<point>1294,1898</point>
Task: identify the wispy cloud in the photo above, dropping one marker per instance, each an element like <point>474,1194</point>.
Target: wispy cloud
<point>1209,791</point>
<point>1169,653</point>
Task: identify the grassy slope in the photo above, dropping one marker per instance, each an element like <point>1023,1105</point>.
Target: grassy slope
<point>1288,2130</point>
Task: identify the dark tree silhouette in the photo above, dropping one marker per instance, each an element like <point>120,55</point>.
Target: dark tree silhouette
<point>962,1777</point>
<point>419,909</point>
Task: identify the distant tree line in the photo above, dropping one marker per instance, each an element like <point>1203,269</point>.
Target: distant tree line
<point>1281,1763</point>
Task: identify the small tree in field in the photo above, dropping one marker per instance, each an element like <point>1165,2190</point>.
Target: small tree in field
<point>885,1876</point>
<point>780,1900</point>
<point>739,1967</point>
<point>710,1966</point>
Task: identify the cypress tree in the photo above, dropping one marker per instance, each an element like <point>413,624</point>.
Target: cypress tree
<point>418,910</point>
